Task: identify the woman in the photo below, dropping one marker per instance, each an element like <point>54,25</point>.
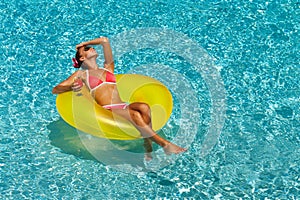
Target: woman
<point>102,85</point>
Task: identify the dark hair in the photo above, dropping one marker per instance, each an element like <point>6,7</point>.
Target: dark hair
<point>77,57</point>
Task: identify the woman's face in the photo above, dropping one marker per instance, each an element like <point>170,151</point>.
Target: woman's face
<point>87,52</point>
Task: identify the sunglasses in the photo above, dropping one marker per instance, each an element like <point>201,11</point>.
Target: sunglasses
<point>87,48</point>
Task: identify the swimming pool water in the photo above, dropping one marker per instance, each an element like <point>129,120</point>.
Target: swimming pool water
<point>255,48</point>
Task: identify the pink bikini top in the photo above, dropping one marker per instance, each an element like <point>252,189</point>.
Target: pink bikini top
<point>95,82</point>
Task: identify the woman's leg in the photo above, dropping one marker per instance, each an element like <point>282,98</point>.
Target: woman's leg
<point>148,148</point>
<point>139,115</point>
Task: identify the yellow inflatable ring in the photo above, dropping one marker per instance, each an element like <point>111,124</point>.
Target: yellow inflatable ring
<point>82,112</point>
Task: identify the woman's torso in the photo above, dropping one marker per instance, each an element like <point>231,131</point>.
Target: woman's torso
<point>102,85</point>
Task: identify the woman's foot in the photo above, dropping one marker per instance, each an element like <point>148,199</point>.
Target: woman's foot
<point>148,156</point>
<point>171,148</point>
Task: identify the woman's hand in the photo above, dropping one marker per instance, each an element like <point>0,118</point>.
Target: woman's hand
<point>101,40</point>
<point>77,84</point>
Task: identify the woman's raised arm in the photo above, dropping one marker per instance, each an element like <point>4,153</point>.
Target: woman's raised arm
<point>107,51</point>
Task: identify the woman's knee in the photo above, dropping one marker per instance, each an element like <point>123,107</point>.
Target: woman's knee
<point>140,112</point>
<point>144,108</point>
<point>146,112</point>
<point>137,117</point>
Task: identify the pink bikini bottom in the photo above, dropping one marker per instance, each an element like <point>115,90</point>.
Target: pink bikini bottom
<point>115,106</point>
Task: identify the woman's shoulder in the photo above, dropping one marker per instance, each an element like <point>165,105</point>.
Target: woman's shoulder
<point>80,73</point>
<point>102,69</point>
<point>109,66</point>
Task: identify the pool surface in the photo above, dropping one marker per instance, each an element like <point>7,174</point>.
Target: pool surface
<point>232,68</point>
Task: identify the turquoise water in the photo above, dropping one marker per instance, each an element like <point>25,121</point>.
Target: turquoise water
<point>254,46</point>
